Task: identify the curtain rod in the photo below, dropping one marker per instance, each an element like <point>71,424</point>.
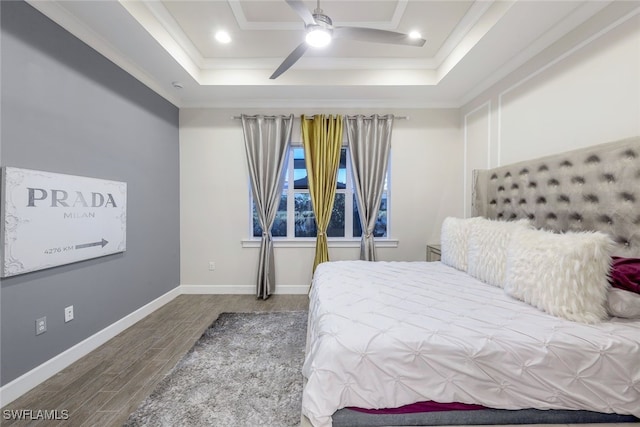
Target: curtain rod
<point>297,117</point>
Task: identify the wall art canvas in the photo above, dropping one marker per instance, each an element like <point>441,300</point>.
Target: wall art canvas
<point>50,219</point>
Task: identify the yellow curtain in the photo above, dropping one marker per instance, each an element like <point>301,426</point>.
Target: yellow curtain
<point>322,141</point>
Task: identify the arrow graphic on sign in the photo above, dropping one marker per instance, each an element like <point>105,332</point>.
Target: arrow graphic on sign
<point>88,245</point>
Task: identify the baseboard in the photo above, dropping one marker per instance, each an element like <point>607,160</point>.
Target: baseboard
<point>16,388</point>
<point>241,289</point>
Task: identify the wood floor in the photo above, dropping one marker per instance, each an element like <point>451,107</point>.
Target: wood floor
<point>104,387</point>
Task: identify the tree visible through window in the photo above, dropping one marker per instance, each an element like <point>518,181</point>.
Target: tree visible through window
<point>295,218</point>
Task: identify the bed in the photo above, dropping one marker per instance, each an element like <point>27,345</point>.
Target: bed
<point>388,334</point>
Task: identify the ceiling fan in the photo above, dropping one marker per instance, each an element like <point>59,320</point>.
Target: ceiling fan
<point>320,31</point>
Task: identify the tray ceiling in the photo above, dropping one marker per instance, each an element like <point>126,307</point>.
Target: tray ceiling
<point>170,46</point>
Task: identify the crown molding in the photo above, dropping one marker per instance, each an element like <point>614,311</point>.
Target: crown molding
<point>55,11</point>
<point>171,26</point>
<point>466,24</point>
<point>322,103</point>
<point>323,63</point>
<point>245,24</point>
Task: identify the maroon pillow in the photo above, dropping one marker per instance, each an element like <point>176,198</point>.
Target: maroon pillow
<point>625,274</point>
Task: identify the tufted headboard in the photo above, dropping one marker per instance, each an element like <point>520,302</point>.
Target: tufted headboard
<point>594,188</point>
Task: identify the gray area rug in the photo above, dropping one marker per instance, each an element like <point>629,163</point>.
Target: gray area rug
<point>244,371</point>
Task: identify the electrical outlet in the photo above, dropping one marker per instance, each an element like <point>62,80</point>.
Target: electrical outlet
<point>68,314</point>
<point>41,325</point>
<point>212,265</point>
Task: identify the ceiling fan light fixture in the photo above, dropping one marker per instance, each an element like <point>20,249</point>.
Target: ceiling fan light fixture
<point>318,37</point>
<point>320,31</point>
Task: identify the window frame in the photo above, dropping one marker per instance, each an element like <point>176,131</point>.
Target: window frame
<point>348,240</point>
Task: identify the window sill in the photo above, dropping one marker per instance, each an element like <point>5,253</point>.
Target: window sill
<point>311,243</point>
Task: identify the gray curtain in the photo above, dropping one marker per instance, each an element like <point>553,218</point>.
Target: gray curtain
<point>267,140</point>
<point>369,140</point>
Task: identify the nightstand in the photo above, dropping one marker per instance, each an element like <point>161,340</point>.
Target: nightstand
<point>433,252</point>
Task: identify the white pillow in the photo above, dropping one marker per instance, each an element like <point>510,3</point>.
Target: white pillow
<point>487,256</point>
<point>621,303</point>
<point>562,274</point>
<point>454,241</point>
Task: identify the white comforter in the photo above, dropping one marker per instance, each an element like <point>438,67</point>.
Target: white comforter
<point>383,335</point>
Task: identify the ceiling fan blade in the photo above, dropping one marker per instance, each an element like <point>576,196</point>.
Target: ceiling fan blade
<point>376,36</point>
<point>302,11</point>
<point>290,60</point>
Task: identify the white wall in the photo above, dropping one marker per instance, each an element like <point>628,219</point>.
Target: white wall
<point>426,184</point>
<point>581,91</point>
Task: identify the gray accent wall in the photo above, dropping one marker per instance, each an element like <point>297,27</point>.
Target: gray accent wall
<point>67,109</point>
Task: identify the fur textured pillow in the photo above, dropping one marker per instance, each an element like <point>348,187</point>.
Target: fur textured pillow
<point>454,241</point>
<point>562,274</point>
<point>488,241</point>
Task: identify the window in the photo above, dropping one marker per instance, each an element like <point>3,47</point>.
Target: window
<point>295,218</point>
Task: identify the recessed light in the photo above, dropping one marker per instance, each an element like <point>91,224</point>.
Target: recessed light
<point>223,37</point>
<point>415,35</point>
